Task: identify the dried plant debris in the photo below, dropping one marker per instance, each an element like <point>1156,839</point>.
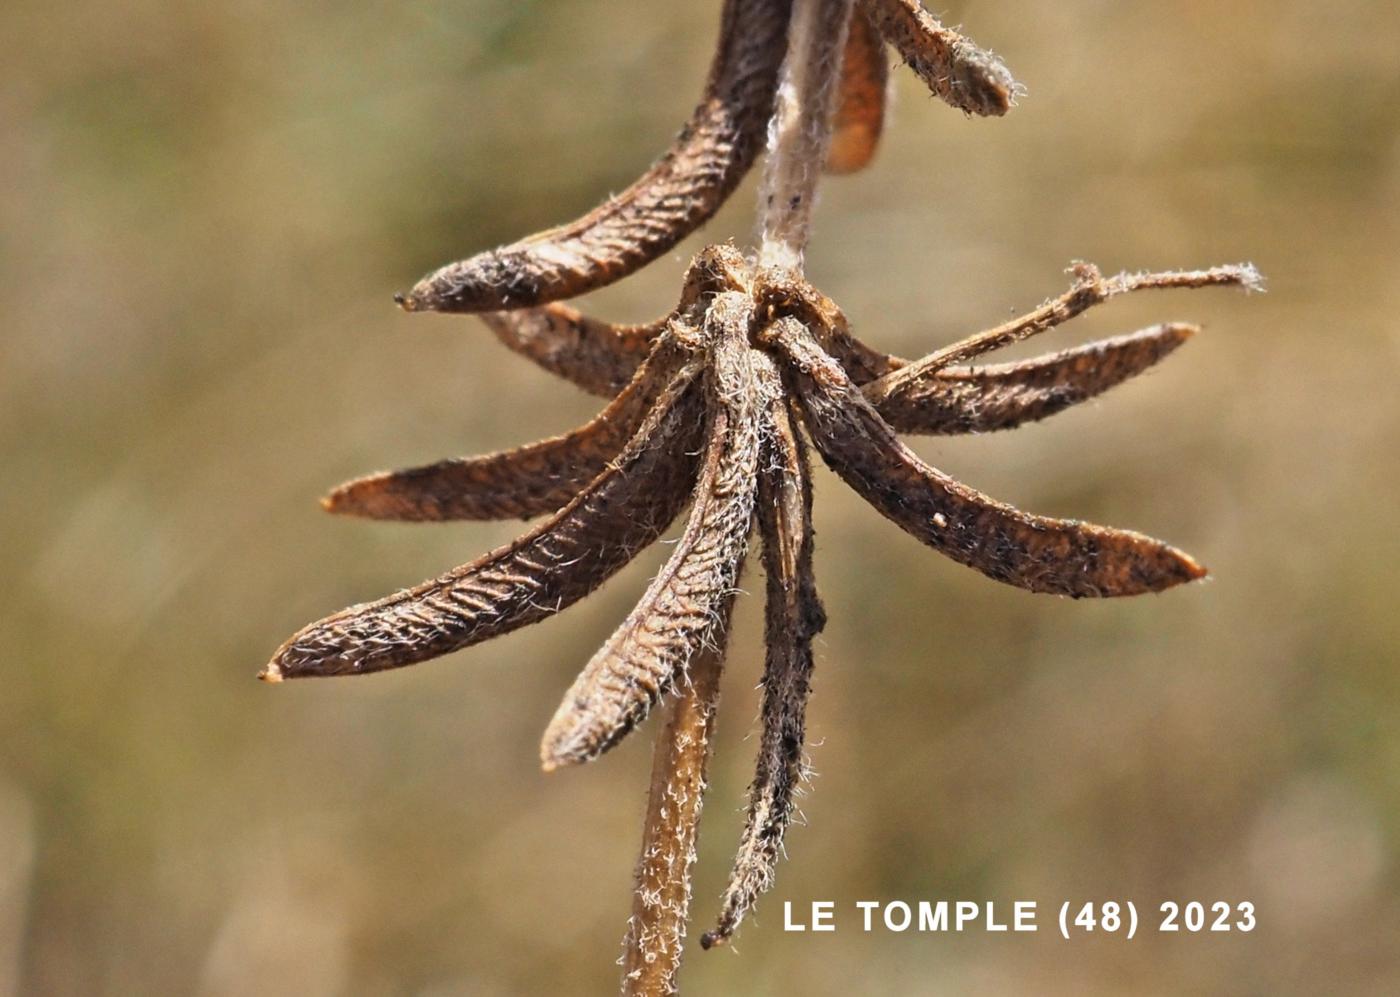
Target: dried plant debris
<point>715,406</point>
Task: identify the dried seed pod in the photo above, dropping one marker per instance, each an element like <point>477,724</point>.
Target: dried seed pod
<point>859,117</point>
<point>1089,288</point>
<point>553,566</point>
<point>723,392</point>
<point>521,483</point>
<point>599,357</point>
<point>955,69</point>
<point>1003,396</point>
<point>678,194</point>
<point>677,615</point>
<point>1062,557</point>
<point>794,617</point>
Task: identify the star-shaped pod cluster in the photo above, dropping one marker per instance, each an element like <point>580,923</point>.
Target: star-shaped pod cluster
<point>715,407</point>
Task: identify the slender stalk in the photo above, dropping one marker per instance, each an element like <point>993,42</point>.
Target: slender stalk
<point>661,900</point>
<point>800,131</point>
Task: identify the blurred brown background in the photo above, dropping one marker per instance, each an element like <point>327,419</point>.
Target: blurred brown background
<point>204,209</point>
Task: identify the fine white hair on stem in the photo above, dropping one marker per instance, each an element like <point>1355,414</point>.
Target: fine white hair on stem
<point>800,131</point>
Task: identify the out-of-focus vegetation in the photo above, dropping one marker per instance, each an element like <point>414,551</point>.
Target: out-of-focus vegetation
<point>204,209</point>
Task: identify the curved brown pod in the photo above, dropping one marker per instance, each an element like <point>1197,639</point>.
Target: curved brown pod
<point>1002,396</point>
<point>513,484</point>
<point>1089,288</point>
<point>859,117</point>
<point>597,356</point>
<point>679,193</point>
<point>553,566</point>
<point>681,610</point>
<point>1057,556</point>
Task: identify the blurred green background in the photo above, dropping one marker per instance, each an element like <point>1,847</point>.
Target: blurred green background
<point>204,209</point>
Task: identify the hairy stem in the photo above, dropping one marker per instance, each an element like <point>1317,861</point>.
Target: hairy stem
<point>661,901</point>
<point>800,131</point>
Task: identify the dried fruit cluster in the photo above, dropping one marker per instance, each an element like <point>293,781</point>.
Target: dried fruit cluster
<point>715,406</point>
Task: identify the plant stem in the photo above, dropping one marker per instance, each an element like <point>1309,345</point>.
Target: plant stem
<point>800,131</point>
<point>661,900</point>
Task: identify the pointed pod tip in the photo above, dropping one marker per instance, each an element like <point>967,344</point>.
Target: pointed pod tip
<point>553,758</point>
<point>550,757</point>
<point>566,740</point>
<point>488,282</point>
<point>370,497</point>
<point>571,740</point>
<point>1138,565</point>
<point>271,674</point>
<point>1168,338</point>
<point>1183,569</point>
<point>373,497</point>
<point>339,501</point>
